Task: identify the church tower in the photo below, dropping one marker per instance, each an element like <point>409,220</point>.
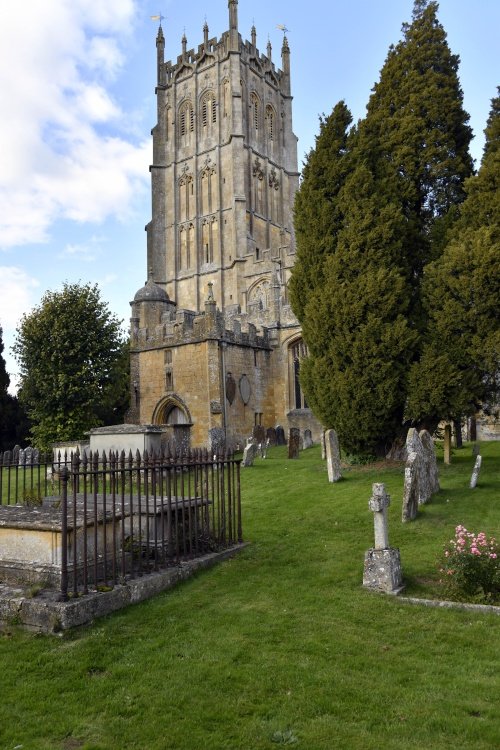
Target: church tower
<point>220,244</point>
<point>224,170</point>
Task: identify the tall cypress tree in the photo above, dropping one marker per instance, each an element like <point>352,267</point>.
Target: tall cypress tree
<point>401,172</point>
<point>317,211</point>
<point>460,364</point>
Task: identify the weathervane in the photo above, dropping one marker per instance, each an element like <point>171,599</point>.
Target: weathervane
<point>283,28</point>
<point>159,18</point>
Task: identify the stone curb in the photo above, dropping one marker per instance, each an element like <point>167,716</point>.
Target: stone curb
<point>488,608</point>
<point>43,613</point>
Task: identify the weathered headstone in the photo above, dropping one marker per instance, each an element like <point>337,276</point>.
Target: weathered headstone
<point>414,445</point>
<point>308,441</point>
<point>15,454</point>
<point>447,444</point>
<point>36,455</point>
<point>22,457</point>
<point>7,458</point>
<point>475,473</point>
<point>217,440</point>
<point>259,434</point>
<point>323,446</point>
<point>332,456</point>
<point>271,435</point>
<point>28,456</point>
<point>249,454</point>
<point>293,442</point>
<point>280,435</point>
<point>382,570</point>
<point>430,462</point>
<point>411,490</point>
<point>263,448</point>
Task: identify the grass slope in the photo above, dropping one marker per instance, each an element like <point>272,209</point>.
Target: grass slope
<point>281,645</point>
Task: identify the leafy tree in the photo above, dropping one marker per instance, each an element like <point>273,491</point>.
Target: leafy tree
<point>460,365</point>
<point>71,355</point>
<point>374,207</point>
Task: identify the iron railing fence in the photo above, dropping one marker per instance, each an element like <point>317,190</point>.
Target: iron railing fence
<point>122,516</point>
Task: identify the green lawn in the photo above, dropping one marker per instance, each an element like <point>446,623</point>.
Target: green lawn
<point>281,645</point>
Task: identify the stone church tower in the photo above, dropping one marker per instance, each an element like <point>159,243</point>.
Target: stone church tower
<point>215,347</point>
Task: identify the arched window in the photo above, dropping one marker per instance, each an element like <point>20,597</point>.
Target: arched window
<point>186,119</point>
<point>270,123</point>
<point>208,111</point>
<point>255,108</point>
<point>296,351</point>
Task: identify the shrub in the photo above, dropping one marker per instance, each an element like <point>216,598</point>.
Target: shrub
<point>471,566</point>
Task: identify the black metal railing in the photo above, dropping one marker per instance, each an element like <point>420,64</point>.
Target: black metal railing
<point>122,516</point>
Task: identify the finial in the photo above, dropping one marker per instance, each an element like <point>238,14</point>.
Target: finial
<point>254,36</point>
<point>205,31</point>
<point>269,48</point>
<point>184,43</point>
<point>210,297</point>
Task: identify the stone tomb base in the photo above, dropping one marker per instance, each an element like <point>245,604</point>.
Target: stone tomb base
<point>382,571</point>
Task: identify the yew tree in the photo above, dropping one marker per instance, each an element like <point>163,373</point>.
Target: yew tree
<point>368,221</point>
<point>459,369</point>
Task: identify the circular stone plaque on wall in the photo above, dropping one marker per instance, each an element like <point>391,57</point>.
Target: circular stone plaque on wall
<point>245,389</point>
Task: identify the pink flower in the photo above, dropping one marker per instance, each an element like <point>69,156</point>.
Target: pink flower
<point>493,555</point>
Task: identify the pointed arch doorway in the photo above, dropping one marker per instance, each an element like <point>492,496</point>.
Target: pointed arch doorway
<point>172,414</point>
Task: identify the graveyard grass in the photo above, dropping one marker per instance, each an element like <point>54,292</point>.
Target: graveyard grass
<point>281,645</point>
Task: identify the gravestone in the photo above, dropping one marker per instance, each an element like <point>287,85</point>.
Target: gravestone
<point>323,446</point>
<point>36,455</point>
<point>22,457</point>
<point>382,569</point>
<point>293,442</point>
<point>447,444</point>
<point>414,445</point>
<point>271,436</point>
<point>28,456</point>
<point>430,462</point>
<point>263,449</point>
<point>332,456</point>
<point>249,454</point>
<point>411,489</point>
<point>259,434</point>
<point>475,473</point>
<point>280,435</point>
<point>308,441</point>
<point>7,458</point>
<point>15,454</point>
<point>217,440</point>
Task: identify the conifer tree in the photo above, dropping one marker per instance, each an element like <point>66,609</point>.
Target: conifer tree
<point>460,365</point>
<point>317,212</point>
<point>363,246</point>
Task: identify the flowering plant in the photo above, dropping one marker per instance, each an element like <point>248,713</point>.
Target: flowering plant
<point>470,566</point>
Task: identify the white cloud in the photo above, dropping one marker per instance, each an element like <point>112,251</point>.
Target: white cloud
<point>17,293</point>
<point>64,153</point>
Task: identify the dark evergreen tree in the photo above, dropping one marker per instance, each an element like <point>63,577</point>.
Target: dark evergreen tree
<point>71,355</point>
<point>416,123</point>
<point>460,366</point>
<point>14,424</point>
<point>317,212</point>
<point>364,240</point>
<point>360,343</point>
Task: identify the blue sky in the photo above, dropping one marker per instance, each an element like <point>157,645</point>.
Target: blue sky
<point>77,105</point>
